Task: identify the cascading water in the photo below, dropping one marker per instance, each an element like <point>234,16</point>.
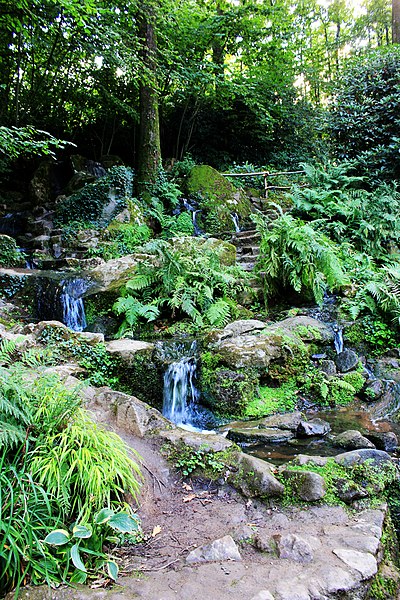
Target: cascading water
<point>194,210</point>
<point>62,299</point>
<point>72,303</point>
<point>180,393</point>
<point>338,340</point>
<point>235,219</point>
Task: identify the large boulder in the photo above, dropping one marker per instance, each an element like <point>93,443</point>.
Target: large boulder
<point>246,344</point>
<point>352,440</point>
<point>218,199</point>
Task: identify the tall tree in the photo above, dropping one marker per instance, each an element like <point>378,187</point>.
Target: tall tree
<point>149,140</point>
<point>396,21</point>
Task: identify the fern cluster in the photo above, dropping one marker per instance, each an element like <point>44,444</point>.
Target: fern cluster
<point>181,280</point>
<point>295,255</point>
<point>339,204</point>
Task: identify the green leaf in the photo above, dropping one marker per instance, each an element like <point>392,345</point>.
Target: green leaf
<point>124,523</point>
<point>80,531</point>
<point>58,537</point>
<point>78,577</point>
<point>76,558</point>
<point>103,516</point>
<point>112,569</point>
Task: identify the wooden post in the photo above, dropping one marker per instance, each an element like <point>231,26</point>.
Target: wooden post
<point>266,175</point>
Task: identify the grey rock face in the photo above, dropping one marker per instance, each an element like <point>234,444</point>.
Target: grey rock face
<point>346,361</point>
<point>284,421</point>
<point>328,367</point>
<point>352,440</point>
<point>363,562</point>
<point>294,547</point>
<point>222,549</point>
<point>314,427</point>
<point>387,440</point>
<point>257,479</point>
<point>354,457</point>
<point>260,436</point>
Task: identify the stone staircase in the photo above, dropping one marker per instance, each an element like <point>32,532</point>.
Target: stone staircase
<point>247,248</point>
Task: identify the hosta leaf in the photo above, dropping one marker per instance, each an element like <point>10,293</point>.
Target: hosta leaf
<point>112,570</point>
<point>103,516</point>
<point>124,523</point>
<point>80,531</point>
<point>76,558</point>
<point>58,537</point>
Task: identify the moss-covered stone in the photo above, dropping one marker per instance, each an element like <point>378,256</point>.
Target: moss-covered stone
<point>217,198</point>
<point>10,256</point>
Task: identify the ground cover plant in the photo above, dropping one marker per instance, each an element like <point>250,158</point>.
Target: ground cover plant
<point>59,473</point>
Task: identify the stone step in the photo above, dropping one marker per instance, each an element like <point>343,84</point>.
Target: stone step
<point>248,250</point>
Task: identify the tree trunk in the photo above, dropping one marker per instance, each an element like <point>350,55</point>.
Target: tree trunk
<point>396,21</point>
<point>149,158</point>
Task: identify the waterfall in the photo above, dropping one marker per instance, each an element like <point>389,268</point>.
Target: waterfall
<point>62,300</point>
<point>180,393</point>
<point>235,219</point>
<point>72,303</point>
<point>194,210</point>
<point>338,340</point>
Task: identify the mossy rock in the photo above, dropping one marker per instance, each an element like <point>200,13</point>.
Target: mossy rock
<point>217,198</point>
<point>10,256</point>
<point>228,392</point>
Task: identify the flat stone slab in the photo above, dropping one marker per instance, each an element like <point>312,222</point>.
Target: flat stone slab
<point>260,436</point>
<point>363,562</point>
<point>127,349</point>
<point>208,442</point>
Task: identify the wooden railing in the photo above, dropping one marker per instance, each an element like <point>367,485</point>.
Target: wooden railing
<point>266,175</point>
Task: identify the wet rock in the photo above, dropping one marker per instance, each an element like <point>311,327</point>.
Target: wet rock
<point>260,436</point>
<point>313,427</point>
<point>355,457</point>
<point>328,367</point>
<point>386,440</point>
<point>289,421</point>
<point>307,485</point>
<point>363,562</point>
<point>352,440</point>
<point>294,547</point>
<point>373,390</point>
<point>346,361</point>
<point>256,478</point>
<point>222,549</point>
<point>304,459</point>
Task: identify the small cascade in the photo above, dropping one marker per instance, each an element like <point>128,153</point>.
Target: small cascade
<point>338,340</point>
<point>62,300</point>
<point>235,219</point>
<point>72,303</point>
<point>180,393</point>
<point>193,208</point>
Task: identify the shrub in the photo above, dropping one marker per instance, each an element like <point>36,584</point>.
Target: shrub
<point>365,113</point>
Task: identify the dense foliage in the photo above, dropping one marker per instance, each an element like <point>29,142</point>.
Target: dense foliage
<point>59,471</point>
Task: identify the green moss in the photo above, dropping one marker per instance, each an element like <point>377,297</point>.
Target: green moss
<point>272,400</point>
<point>217,198</point>
<point>375,481</point>
<point>201,462</point>
<point>98,203</point>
